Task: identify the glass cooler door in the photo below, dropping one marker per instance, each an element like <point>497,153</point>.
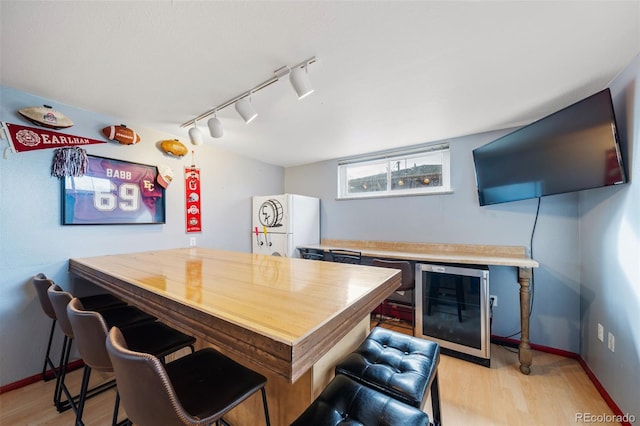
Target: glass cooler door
<point>452,307</point>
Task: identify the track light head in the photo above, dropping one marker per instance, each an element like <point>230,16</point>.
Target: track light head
<point>215,127</point>
<point>196,135</point>
<point>245,109</point>
<point>299,79</point>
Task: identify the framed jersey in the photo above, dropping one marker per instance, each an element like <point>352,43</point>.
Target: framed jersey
<point>113,192</point>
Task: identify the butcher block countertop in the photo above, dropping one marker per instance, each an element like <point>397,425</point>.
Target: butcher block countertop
<point>435,252</point>
<point>281,313</point>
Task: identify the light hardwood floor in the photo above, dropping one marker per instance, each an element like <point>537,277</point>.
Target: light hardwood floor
<point>553,394</point>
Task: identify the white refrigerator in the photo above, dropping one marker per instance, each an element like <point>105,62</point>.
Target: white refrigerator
<point>282,222</point>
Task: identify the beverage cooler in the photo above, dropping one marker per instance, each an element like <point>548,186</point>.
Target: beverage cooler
<point>283,222</point>
<point>452,308</point>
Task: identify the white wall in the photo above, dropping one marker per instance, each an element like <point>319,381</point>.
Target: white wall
<point>33,240</point>
<point>610,260</point>
<point>457,218</point>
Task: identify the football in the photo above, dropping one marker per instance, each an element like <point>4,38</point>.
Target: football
<point>122,134</point>
<point>174,147</point>
<point>46,116</point>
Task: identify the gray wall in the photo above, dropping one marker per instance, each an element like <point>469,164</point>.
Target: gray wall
<point>610,260</point>
<point>32,239</point>
<point>457,218</point>
<point>587,244</point>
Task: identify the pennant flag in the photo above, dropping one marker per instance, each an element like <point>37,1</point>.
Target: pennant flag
<point>192,199</point>
<point>23,138</point>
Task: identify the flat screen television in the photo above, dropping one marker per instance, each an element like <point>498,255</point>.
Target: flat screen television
<point>573,149</point>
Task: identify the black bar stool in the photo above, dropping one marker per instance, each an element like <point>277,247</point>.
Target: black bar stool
<point>346,256</point>
<point>401,366</point>
<point>347,402</point>
<point>312,254</point>
<point>407,282</point>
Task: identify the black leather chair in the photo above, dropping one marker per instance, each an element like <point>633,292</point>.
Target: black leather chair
<point>119,315</point>
<point>197,389</point>
<point>312,254</point>
<point>407,282</point>
<point>401,366</point>
<point>347,402</point>
<point>90,334</point>
<point>41,283</point>
<point>346,256</point>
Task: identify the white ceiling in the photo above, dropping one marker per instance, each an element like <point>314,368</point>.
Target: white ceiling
<point>389,73</point>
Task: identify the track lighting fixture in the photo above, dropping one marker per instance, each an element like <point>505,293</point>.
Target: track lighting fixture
<point>300,81</point>
<point>298,77</point>
<point>215,127</point>
<point>245,109</point>
<point>196,135</point>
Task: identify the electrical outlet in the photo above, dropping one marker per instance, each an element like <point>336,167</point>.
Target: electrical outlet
<point>192,241</point>
<point>493,301</point>
<point>600,332</point>
<point>612,342</point>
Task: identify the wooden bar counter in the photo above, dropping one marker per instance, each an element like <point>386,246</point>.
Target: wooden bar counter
<point>289,319</point>
<point>470,254</point>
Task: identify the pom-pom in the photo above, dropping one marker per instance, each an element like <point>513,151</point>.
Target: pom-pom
<point>69,161</point>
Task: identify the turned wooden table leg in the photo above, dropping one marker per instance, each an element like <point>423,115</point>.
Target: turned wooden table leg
<point>524,350</point>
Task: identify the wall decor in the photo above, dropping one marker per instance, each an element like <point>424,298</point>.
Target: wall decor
<point>23,138</point>
<point>192,199</point>
<point>46,116</point>
<point>174,147</point>
<point>165,175</point>
<point>121,134</point>
<point>69,161</point>
<point>113,192</point>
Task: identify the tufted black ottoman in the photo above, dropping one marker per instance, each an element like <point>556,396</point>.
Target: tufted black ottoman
<point>346,402</point>
<point>401,366</point>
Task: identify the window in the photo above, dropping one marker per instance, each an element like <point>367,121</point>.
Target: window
<point>423,170</point>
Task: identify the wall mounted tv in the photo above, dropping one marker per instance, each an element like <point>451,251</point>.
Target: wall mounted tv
<point>570,150</point>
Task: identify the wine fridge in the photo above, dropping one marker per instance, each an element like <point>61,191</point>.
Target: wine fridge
<point>452,308</point>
